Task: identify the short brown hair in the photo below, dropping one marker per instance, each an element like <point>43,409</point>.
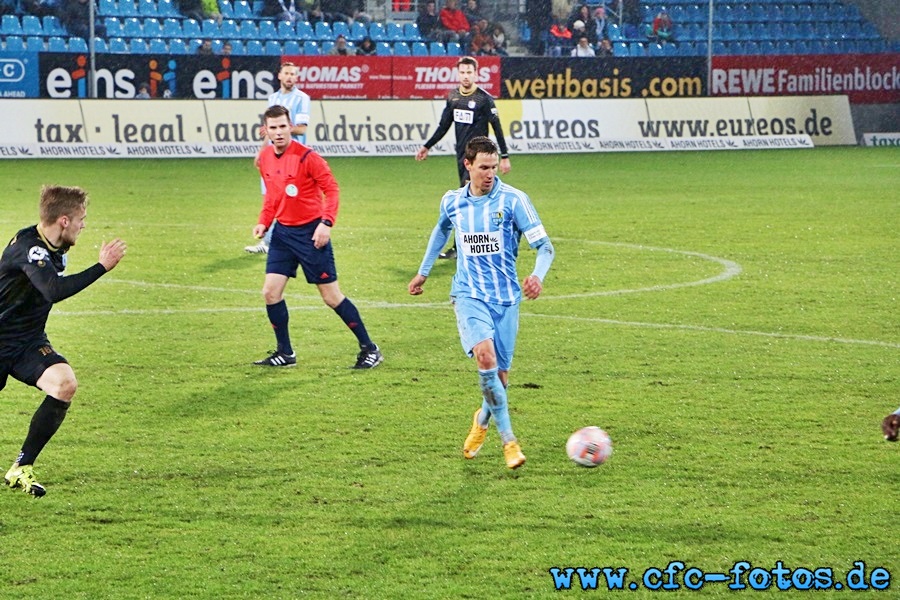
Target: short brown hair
<point>275,111</point>
<point>480,145</point>
<point>58,201</point>
<point>467,60</point>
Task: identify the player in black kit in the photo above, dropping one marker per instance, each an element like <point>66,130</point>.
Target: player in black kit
<point>471,109</point>
<point>31,282</point>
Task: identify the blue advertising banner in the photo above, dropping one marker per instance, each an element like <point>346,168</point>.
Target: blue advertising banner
<point>19,74</point>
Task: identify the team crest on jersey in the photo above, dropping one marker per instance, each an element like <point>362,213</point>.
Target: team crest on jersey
<point>497,218</point>
<point>472,104</point>
<point>291,190</point>
<point>37,254</point>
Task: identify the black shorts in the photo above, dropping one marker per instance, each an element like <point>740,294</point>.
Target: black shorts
<point>293,246</point>
<point>27,363</point>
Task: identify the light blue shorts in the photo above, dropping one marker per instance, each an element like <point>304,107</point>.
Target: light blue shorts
<point>478,321</point>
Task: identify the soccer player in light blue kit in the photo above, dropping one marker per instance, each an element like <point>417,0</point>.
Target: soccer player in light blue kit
<point>490,218</point>
<point>299,104</point>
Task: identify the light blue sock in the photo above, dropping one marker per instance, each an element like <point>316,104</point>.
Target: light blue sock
<point>495,396</point>
<point>484,419</point>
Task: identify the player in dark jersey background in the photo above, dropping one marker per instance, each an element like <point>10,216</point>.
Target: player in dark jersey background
<point>471,109</point>
<point>31,281</point>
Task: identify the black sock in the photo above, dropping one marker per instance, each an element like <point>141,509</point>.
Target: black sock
<point>46,420</point>
<point>346,310</point>
<point>278,317</point>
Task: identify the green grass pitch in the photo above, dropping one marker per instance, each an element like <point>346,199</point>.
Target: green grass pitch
<point>731,319</point>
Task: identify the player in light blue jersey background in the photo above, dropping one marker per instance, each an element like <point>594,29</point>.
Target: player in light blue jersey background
<point>298,104</point>
<point>490,218</point>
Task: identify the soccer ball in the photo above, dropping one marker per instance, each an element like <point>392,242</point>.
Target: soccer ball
<point>589,446</point>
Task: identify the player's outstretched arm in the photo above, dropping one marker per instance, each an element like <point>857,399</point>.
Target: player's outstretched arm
<point>111,253</point>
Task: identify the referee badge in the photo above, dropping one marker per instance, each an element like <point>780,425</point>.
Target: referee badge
<point>291,190</point>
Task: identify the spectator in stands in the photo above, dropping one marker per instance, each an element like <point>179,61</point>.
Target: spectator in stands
<point>480,35</point>
<point>473,12</point>
<point>631,18</point>
<point>578,29</point>
<point>453,19</point>
<point>605,48</point>
<point>583,48</point>
<point>600,22</point>
<point>38,8</point>
<point>430,26</point>
<point>325,11</point>
<point>200,9</point>
<point>488,49</point>
<point>560,40</point>
<point>366,47</point>
<point>205,48</point>
<point>143,92</point>
<point>588,26</point>
<point>340,47</point>
<point>499,37</point>
<point>663,26</point>
<point>227,49</point>
<point>537,13</point>
<point>284,10</point>
<point>76,18</point>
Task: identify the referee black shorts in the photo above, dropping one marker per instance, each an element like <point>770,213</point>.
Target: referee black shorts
<point>293,246</point>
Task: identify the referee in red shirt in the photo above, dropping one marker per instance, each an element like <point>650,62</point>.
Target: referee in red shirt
<point>302,198</point>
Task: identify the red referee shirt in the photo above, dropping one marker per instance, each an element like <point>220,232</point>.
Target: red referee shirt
<point>299,186</point>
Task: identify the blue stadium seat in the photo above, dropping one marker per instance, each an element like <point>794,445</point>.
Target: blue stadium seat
<point>77,44</point>
<point>113,27</point>
<point>157,46</point>
<point>437,49</point>
<point>377,32</point>
<point>382,49</point>
<point>621,49</point>
<point>177,46</point>
<point>272,48</point>
<point>393,32</point>
<point>217,46</point>
<point>137,46</point>
<point>249,31</point>
<point>31,25</point>
<point>292,47</point>
<point>411,32</point>
<point>107,8</point>
<point>10,25</point>
<point>767,48</point>
<point>323,31</point>
<point>243,10</point>
<point>340,28</point>
<point>637,49</point>
<point>305,31</point>
<point>148,8</point>
<point>127,8</point>
<point>52,26</point>
<point>655,50</point>
<point>34,43</point>
<point>172,28</point>
<point>167,8</point>
<point>254,48</point>
<point>193,44</point>
<point>454,49</point>
<point>311,48</point>
<point>419,49</point>
<point>267,30</point>
<point>57,44</point>
<point>225,9</point>
<point>116,45</point>
<point>358,31</point>
<point>286,30</point>
<point>401,49</point>
<point>132,27</point>
<point>613,32</point>
<point>152,28</point>
<point>228,29</point>
<point>326,46</point>
<point>209,28</point>
<point>237,48</point>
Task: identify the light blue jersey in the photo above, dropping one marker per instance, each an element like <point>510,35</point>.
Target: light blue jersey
<point>298,103</point>
<point>488,230</point>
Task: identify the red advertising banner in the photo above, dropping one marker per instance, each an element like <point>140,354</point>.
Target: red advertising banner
<point>345,77</point>
<point>864,78</point>
<point>381,77</point>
